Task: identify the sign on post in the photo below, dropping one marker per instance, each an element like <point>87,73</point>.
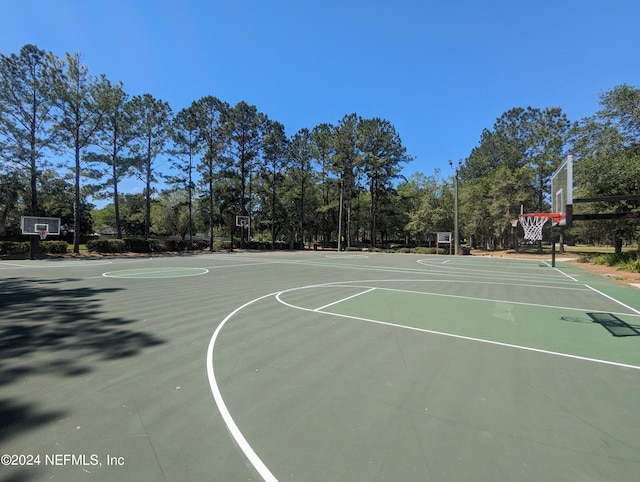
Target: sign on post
<point>443,238</point>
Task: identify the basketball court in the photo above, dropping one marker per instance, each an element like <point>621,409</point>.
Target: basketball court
<point>317,366</point>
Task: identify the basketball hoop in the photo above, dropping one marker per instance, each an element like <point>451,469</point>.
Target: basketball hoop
<point>43,233</point>
<point>532,226</point>
<point>533,223</point>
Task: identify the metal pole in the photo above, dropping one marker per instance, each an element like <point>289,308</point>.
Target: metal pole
<point>340,216</point>
<point>456,241</point>
<point>457,236</point>
<point>553,248</point>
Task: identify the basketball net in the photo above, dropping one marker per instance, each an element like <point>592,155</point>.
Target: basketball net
<point>532,226</point>
<point>43,233</point>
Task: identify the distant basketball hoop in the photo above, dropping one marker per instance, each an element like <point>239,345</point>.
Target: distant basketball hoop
<point>40,226</point>
<point>243,222</point>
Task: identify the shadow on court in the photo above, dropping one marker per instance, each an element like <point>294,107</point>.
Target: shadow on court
<point>613,324</point>
<point>49,330</point>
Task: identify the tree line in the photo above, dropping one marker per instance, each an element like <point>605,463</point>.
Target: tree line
<point>67,136</point>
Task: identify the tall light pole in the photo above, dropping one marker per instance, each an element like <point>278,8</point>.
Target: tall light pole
<point>340,213</point>
<point>456,236</point>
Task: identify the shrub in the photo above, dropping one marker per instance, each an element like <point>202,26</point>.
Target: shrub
<point>200,244</point>
<point>176,245</point>
<point>13,247</point>
<point>54,247</point>
<point>612,259</point>
<point>608,259</point>
<point>106,246</point>
<point>136,245</point>
<point>632,266</point>
<point>221,245</point>
<point>425,250</point>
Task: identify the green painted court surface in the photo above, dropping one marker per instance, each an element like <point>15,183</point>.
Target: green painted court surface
<point>315,367</point>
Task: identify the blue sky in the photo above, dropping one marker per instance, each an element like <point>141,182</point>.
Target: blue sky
<point>439,71</point>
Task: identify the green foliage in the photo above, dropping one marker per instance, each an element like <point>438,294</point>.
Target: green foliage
<point>219,245</point>
<point>13,247</point>
<point>48,247</point>
<point>625,261</point>
<point>106,246</point>
<point>135,245</point>
<point>54,247</point>
<point>183,245</point>
<point>177,245</point>
<point>292,187</point>
<point>608,259</point>
<point>424,250</point>
<point>633,265</point>
<point>615,259</point>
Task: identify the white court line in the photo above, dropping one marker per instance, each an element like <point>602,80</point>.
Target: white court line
<point>570,277</point>
<point>452,335</point>
<point>613,299</point>
<point>560,271</point>
<point>445,295</point>
<point>344,299</point>
<point>484,274</point>
<point>235,432</point>
<point>480,340</point>
<point>493,300</point>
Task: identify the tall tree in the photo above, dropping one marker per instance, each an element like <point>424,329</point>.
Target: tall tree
<point>547,141</point>
<point>301,154</point>
<point>152,118</point>
<point>186,139</point>
<point>323,152</point>
<point>12,188</point>
<point>211,116</point>
<point>346,163</point>
<point>621,106</point>
<point>276,161</point>
<point>80,118</point>
<point>27,101</point>
<point>114,140</point>
<point>607,151</point>
<point>244,129</point>
<point>382,153</point>
<point>512,166</point>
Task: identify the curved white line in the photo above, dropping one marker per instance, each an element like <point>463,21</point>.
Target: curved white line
<point>235,432</point>
<point>248,451</point>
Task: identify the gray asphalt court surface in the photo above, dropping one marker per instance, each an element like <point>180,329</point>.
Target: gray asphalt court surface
<point>316,366</point>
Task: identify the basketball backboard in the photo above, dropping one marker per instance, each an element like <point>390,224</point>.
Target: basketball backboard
<point>562,187</point>
<point>242,221</point>
<point>35,225</point>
